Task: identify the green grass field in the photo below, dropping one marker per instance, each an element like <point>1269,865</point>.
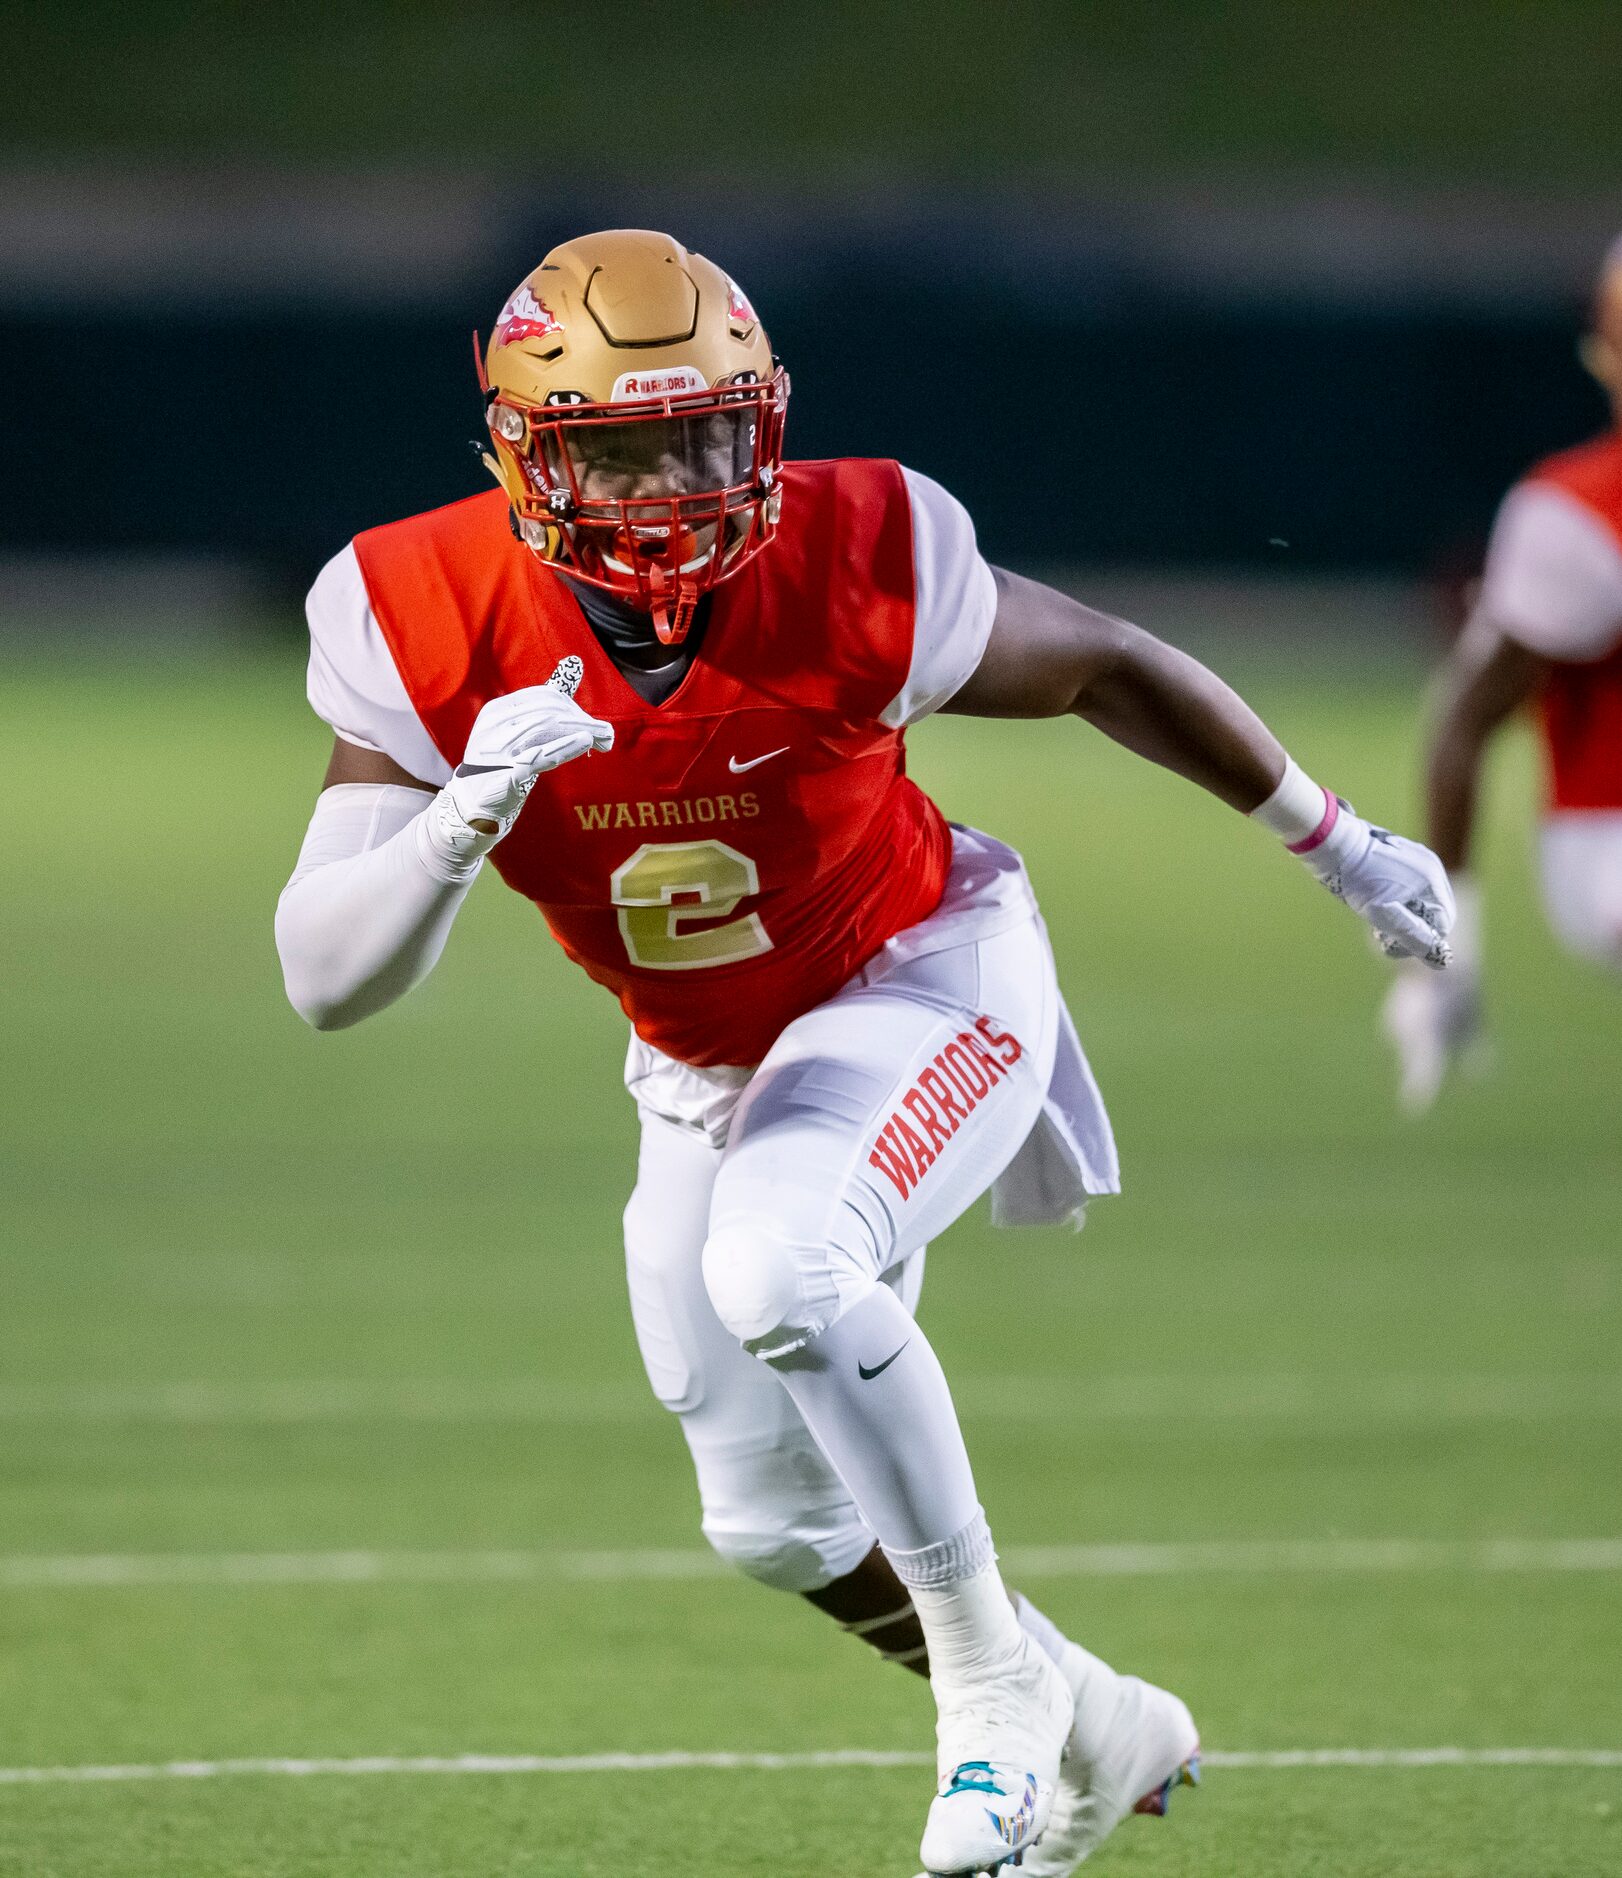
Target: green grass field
<point>281,1296</point>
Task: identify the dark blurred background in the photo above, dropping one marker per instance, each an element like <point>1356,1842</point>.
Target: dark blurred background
<point>1270,287</point>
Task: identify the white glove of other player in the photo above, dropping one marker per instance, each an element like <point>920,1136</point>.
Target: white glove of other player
<point>1397,885</point>
<point>514,739</point>
<point>1434,1019</point>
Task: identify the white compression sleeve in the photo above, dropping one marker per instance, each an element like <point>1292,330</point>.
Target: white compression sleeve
<point>369,906</point>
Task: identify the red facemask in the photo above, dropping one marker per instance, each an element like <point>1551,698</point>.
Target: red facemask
<point>656,500</point>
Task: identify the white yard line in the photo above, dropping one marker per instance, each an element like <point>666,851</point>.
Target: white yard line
<point>520,1399</point>
<point>318,1400</point>
<point>1291,1758</point>
<point>1317,1555</point>
<point>115,1570</point>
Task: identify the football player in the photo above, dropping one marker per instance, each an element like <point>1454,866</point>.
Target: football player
<point>1546,628</point>
<point>661,678</point>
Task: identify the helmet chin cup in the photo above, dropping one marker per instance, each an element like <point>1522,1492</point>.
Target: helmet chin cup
<point>672,619</point>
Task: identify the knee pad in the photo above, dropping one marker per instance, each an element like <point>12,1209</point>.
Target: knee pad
<point>773,1505</point>
<point>793,1556</point>
<point>754,1283</point>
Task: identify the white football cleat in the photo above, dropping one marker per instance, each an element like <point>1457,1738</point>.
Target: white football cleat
<point>1130,1745</point>
<point>998,1748</point>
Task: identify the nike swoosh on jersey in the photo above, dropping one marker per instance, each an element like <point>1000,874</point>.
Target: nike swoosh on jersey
<point>754,762</point>
<point>867,1374</point>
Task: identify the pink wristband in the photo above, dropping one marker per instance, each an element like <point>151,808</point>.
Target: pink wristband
<point>1320,834</point>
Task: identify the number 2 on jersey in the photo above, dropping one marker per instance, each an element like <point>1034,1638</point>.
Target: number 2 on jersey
<point>708,879</point>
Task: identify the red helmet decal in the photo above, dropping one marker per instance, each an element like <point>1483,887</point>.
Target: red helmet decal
<point>739,311</point>
<point>525,317</point>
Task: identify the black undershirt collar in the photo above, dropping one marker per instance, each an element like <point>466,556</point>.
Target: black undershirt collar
<point>626,634</point>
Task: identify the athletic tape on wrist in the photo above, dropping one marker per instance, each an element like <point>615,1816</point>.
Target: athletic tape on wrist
<point>1299,811</point>
<point>1321,833</point>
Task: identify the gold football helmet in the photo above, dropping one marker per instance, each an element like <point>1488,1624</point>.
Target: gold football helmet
<point>636,420</point>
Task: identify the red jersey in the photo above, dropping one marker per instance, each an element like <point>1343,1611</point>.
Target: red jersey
<point>752,841</point>
<point>1581,704</point>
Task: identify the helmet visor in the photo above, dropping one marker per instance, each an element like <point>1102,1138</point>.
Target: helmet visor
<point>606,461</point>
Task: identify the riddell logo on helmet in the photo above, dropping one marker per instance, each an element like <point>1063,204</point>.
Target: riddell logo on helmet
<point>525,317</point>
<point>659,384</point>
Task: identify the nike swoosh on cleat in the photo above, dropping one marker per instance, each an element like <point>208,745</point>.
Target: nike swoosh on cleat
<point>754,762</point>
<point>867,1374</point>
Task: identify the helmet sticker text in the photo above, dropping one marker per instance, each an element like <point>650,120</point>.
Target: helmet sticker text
<point>660,383</point>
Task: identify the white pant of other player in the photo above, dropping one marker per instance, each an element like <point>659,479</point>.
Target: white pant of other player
<point>770,1204</point>
<point>1580,856</point>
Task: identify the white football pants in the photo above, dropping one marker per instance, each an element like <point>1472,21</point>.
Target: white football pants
<point>874,1122</point>
<point>1581,857</point>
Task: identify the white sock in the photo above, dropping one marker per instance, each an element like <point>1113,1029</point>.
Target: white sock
<point>967,1616</point>
<point>874,1396</point>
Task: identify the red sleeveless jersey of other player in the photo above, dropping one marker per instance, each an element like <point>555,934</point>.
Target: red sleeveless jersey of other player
<point>1581,704</point>
<point>753,840</point>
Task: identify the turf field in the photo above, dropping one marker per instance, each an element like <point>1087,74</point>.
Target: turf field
<point>322,1433</point>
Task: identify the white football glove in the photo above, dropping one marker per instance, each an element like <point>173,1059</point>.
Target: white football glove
<point>1434,1020</point>
<point>514,739</point>
<point>1397,885</point>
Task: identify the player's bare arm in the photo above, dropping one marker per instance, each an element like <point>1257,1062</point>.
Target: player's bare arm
<point>1049,656</point>
<point>1487,678</point>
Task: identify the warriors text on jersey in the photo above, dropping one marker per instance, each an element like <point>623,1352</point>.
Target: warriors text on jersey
<point>753,840</point>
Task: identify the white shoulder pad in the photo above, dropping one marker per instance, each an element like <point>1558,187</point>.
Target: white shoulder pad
<point>353,684</point>
<point>954,602</point>
<point>1554,575</point>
